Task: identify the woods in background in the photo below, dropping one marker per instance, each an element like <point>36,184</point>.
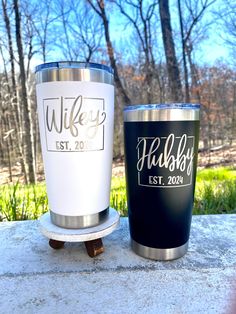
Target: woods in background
<point>152,47</point>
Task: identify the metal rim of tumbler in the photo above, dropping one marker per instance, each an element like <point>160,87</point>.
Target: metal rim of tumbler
<point>74,71</point>
<point>162,112</point>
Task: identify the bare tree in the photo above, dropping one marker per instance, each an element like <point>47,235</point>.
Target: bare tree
<point>187,93</point>
<point>141,15</point>
<point>12,89</point>
<point>189,20</point>
<point>64,13</point>
<point>218,100</point>
<point>86,30</point>
<point>169,47</point>
<point>10,48</point>
<point>99,8</point>
<point>226,18</point>
<point>28,132</point>
<point>6,134</point>
<point>44,20</point>
<point>79,31</point>
<point>29,34</point>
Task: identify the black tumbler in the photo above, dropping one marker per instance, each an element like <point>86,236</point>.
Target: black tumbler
<point>161,147</point>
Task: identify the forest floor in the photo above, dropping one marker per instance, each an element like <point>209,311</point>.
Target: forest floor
<point>217,157</point>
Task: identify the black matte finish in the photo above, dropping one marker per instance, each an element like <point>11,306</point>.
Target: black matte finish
<point>160,213</point>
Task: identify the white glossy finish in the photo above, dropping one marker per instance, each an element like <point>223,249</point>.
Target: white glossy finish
<point>77,166</point>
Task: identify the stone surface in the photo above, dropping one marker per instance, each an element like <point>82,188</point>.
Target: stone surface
<point>37,279</point>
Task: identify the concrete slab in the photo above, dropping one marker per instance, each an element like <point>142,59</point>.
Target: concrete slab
<point>37,279</point>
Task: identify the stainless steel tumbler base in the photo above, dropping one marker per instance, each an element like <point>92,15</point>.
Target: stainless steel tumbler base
<point>159,254</point>
<point>78,222</point>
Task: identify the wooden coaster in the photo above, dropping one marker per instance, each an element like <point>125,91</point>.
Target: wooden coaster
<point>90,236</point>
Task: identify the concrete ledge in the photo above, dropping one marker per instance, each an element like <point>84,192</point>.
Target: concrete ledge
<point>37,279</point>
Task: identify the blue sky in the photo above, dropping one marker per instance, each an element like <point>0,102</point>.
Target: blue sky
<point>207,50</point>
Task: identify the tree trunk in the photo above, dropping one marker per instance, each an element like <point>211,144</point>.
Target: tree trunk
<point>113,61</point>
<point>15,101</point>
<point>141,21</point>
<point>186,83</point>
<point>195,88</point>
<point>169,47</point>
<point>102,13</point>
<point>10,47</point>
<point>28,131</point>
<point>233,123</point>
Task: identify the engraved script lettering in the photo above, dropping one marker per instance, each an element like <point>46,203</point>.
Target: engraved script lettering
<point>152,156</point>
<point>73,118</point>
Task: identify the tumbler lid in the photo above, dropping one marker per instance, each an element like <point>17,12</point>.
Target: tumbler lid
<point>162,112</point>
<point>73,65</point>
<point>74,71</point>
<point>163,106</point>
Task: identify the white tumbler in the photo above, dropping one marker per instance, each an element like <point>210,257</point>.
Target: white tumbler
<point>75,103</point>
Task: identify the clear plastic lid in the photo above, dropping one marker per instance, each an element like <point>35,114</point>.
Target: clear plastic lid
<point>162,106</point>
<point>73,65</point>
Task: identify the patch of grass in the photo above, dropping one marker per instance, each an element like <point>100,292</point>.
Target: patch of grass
<point>219,174</point>
<point>118,195</point>
<point>215,193</point>
<point>22,202</point>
